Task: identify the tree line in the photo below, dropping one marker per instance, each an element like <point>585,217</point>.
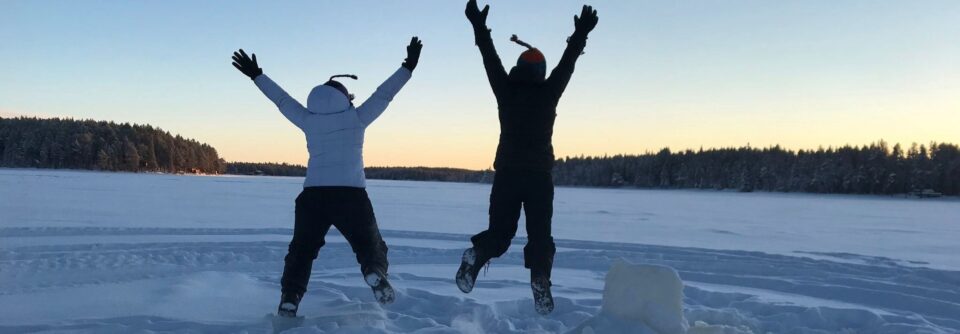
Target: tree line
<point>377,173</point>
<point>429,174</point>
<point>876,168</point>
<point>27,142</point>
<point>870,169</point>
<point>265,168</point>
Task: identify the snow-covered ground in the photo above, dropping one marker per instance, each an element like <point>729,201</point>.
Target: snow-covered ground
<point>116,252</point>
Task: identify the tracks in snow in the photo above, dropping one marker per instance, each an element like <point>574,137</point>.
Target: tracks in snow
<point>875,296</point>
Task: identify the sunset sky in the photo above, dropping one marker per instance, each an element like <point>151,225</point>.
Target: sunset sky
<point>682,74</point>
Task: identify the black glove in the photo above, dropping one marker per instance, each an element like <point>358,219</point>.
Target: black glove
<point>586,21</point>
<point>413,53</point>
<point>246,65</point>
<point>477,17</point>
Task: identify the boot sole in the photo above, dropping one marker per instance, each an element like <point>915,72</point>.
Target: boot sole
<point>542,299</point>
<point>464,282</point>
<point>382,290</point>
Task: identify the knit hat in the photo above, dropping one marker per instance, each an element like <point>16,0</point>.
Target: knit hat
<point>531,60</point>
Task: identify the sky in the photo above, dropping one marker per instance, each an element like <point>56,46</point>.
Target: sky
<point>678,74</point>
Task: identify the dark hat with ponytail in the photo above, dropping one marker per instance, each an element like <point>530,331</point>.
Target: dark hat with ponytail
<point>531,59</point>
<point>339,86</point>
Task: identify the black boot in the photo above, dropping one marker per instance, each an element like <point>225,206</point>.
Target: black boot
<point>542,297</point>
<point>382,290</point>
<point>470,265</point>
<point>289,303</point>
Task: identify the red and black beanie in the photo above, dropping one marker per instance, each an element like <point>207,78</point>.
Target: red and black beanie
<point>531,59</point>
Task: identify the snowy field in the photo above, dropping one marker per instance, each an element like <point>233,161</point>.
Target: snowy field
<point>117,252</point>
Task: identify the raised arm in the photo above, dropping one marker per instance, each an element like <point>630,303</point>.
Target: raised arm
<point>481,34</point>
<point>378,102</point>
<point>575,44</point>
<point>289,107</point>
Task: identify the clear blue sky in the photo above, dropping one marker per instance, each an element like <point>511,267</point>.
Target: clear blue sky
<point>656,73</point>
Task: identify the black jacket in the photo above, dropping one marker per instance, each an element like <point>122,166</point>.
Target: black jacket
<point>527,108</point>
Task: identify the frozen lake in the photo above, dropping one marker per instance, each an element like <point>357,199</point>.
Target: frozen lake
<point>124,252</point>
<point>924,232</point>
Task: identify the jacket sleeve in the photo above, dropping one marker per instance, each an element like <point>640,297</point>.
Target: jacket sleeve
<point>491,61</point>
<point>564,70</point>
<point>289,107</point>
<point>378,102</point>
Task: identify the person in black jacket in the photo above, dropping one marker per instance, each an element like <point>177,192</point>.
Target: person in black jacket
<point>527,102</point>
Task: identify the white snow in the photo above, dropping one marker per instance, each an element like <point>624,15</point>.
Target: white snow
<point>116,252</point>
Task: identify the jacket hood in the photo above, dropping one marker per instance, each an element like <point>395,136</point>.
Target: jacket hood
<point>324,99</point>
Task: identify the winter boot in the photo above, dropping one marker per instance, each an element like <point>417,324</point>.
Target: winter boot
<point>289,302</point>
<point>470,265</point>
<point>382,291</point>
<point>542,297</point>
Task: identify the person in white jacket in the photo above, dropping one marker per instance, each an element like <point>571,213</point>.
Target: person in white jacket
<point>334,190</point>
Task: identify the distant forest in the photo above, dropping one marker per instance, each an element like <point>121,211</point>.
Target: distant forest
<point>380,173</point>
<point>429,174</point>
<point>870,169</point>
<point>265,168</point>
<point>98,145</point>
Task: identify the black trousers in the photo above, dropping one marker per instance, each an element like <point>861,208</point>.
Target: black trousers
<point>318,208</point>
<point>533,192</point>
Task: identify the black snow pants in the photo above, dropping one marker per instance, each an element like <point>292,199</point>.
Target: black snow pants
<point>533,191</point>
<point>350,211</point>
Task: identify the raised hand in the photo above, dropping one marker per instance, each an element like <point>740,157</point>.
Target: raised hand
<point>586,21</point>
<point>246,65</point>
<point>475,15</point>
<point>413,53</point>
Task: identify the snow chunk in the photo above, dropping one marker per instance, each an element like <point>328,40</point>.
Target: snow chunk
<point>642,298</point>
<point>649,294</point>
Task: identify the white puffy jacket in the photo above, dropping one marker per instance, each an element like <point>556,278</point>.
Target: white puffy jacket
<point>333,127</point>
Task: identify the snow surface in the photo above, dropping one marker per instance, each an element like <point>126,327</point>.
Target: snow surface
<point>116,252</point>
